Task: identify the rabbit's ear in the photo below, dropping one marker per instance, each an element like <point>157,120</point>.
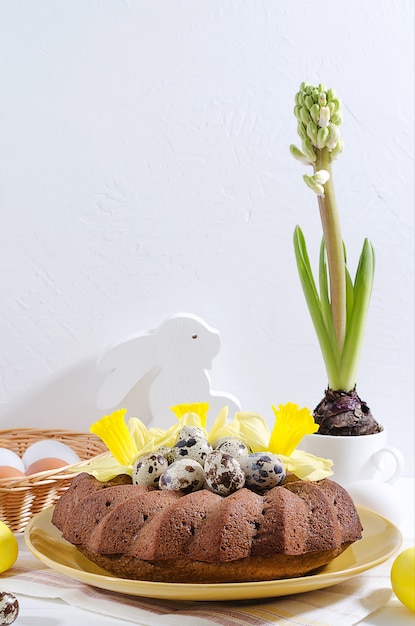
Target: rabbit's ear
<point>124,364</point>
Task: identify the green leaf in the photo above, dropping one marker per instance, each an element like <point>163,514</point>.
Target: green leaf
<point>356,327</point>
<point>349,289</point>
<point>328,348</point>
<point>325,298</point>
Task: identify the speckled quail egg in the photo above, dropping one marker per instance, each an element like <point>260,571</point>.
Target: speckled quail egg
<point>184,475</point>
<point>191,431</point>
<point>224,474</point>
<point>233,446</point>
<point>148,468</point>
<point>196,448</point>
<point>164,450</point>
<point>9,607</point>
<point>263,470</point>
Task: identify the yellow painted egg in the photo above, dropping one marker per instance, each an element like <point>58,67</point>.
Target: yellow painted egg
<point>9,548</point>
<point>403,577</point>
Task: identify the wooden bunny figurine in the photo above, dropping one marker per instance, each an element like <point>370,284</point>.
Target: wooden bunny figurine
<point>155,370</point>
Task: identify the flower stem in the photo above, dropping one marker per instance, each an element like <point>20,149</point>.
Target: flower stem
<point>334,246</point>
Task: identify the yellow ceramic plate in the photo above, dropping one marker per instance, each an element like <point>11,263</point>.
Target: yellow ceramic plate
<point>381,539</point>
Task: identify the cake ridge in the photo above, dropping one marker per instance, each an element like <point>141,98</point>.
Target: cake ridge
<point>122,526</point>
<point>323,529</point>
<point>179,522</point>
<point>228,531</point>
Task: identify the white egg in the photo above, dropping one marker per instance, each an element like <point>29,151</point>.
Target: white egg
<point>8,458</point>
<point>49,448</point>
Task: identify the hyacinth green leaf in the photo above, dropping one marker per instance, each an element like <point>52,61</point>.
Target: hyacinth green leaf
<point>349,290</point>
<point>330,356</point>
<point>362,292</point>
<point>303,264</point>
<point>325,297</point>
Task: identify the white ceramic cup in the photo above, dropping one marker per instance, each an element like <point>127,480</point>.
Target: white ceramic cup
<point>365,457</point>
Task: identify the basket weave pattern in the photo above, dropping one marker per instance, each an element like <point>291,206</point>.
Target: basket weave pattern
<point>22,497</point>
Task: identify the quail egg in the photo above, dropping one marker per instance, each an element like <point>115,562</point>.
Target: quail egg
<point>184,475</point>
<point>224,474</point>
<point>263,470</point>
<point>148,468</point>
<point>191,431</point>
<point>9,607</point>
<point>164,450</point>
<point>196,448</point>
<point>233,446</point>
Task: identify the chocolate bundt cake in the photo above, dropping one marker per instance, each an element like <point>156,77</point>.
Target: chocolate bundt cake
<point>138,532</point>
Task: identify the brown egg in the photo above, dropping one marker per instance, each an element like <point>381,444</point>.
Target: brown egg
<point>6,471</point>
<point>43,465</point>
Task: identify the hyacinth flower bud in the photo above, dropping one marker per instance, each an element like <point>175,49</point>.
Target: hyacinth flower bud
<point>321,177</point>
<point>309,102</point>
<point>322,136</point>
<point>331,95</point>
<point>314,94</point>
<point>312,132</point>
<point>300,99</point>
<point>315,113</point>
<point>324,118</point>
<point>322,99</point>
<point>319,115</point>
<point>334,135</point>
<point>309,150</point>
<point>337,118</point>
<point>334,106</point>
<point>305,115</point>
<point>301,130</point>
<point>314,186</point>
<point>337,150</point>
<point>298,155</point>
<point>317,181</point>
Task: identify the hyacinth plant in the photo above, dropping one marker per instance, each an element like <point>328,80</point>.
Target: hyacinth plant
<point>339,307</point>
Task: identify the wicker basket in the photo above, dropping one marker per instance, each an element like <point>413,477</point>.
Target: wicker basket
<point>23,497</point>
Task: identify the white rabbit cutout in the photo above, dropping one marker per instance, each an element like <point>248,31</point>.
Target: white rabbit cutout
<point>157,369</point>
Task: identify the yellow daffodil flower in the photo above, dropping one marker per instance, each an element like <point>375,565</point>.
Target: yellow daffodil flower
<point>113,431</point>
<point>200,408</point>
<point>291,424</point>
<point>126,442</point>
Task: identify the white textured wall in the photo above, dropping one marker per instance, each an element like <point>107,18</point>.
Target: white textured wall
<point>144,171</point>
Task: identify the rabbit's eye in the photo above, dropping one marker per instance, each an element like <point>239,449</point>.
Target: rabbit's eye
<point>194,336</point>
